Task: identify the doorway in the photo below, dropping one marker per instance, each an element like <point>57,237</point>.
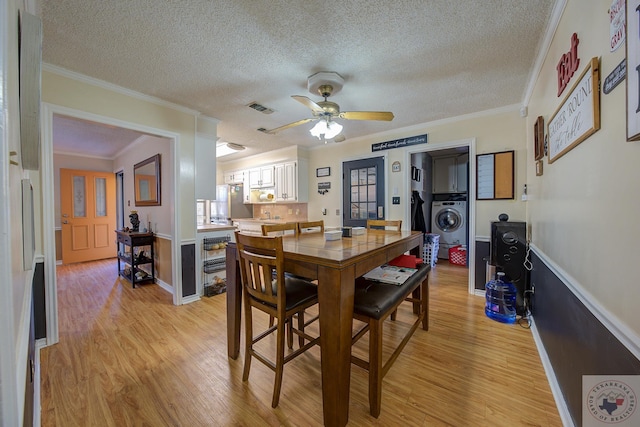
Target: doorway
<point>49,111</point>
<point>448,176</point>
<point>363,191</point>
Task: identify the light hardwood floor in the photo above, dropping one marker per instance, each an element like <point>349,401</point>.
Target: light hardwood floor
<point>128,357</point>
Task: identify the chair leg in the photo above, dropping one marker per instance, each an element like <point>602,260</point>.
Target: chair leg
<point>394,315</point>
<point>300,328</point>
<point>375,367</point>
<point>425,303</point>
<point>289,329</point>
<point>271,319</point>
<point>277,384</point>
<point>248,342</point>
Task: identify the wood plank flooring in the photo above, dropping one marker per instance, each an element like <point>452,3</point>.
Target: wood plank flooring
<point>128,357</point>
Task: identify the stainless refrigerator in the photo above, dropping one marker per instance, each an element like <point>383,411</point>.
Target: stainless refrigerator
<point>229,204</point>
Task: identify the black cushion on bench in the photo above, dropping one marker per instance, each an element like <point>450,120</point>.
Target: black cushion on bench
<point>375,299</point>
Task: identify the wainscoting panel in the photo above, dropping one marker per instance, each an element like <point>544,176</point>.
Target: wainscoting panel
<point>188,269</point>
<point>575,341</point>
<point>482,255</point>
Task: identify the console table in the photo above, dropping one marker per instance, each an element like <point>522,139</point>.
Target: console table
<point>135,251</point>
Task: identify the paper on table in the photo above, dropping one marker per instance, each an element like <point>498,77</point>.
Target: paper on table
<point>390,274</point>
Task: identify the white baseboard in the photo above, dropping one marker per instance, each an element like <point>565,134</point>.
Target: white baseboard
<point>167,287</point>
<point>190,299</point>
<point>37,407</point>
<point>563,410</point>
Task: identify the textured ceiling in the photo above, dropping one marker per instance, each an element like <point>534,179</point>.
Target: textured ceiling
<point>422,60</point>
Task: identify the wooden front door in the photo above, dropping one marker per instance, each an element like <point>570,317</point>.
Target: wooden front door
<point>88,209</point>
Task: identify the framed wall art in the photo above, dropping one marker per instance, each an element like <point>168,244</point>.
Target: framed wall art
<point>633,75</point>
<point>578,116</point>
<point>323,172</point>
<point>538,138</point>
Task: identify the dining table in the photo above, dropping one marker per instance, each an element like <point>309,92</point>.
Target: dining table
<point>335,264</point>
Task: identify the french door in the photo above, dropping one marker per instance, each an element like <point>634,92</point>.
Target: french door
<point>363,189</point>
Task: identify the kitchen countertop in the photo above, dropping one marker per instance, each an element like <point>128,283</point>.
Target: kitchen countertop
<point>214,227</point>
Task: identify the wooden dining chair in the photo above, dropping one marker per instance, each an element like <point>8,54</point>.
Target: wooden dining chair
<point>266,288</point>
<point>373,303</point>
<point>280,229</point>
<point>383,224</point>
<point>311,227</point>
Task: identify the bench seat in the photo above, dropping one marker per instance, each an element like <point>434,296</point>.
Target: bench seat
<point>373,303</point>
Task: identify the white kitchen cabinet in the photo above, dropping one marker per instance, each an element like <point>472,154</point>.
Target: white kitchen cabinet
<point>286,182</point>
<point>234,177</point>
<point>261,177</point>
<point>450,174</point>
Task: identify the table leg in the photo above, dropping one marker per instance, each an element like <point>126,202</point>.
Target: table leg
<point>335,295</point>
<point>234,299</point>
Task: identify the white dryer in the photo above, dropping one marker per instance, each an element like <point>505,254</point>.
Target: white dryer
<point>449,220</point>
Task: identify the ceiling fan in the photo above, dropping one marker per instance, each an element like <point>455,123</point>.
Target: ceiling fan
<point>327,83</point>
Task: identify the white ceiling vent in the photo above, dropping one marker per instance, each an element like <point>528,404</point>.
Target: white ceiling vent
<point>259,107</point>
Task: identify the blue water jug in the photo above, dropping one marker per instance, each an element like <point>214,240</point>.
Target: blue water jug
<point>500,300</point>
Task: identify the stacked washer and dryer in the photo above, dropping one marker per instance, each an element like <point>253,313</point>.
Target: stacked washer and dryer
<point>449,220</point>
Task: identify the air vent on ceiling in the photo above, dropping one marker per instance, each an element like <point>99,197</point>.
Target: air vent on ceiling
<point>259,107</point>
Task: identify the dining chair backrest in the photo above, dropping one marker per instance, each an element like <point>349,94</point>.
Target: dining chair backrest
<point>280,229</point>
<point>311,227</point>
<point>382,224</point>
<point>262,267</point>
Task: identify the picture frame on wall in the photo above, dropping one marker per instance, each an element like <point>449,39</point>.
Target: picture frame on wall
<point>320,172</point>
<point>538,138</point>
<point>633,77</point>
<point>582,101</point>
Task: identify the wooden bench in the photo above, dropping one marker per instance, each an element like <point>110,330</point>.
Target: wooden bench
<point>373,303</point>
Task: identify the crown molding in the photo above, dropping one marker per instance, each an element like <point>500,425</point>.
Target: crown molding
<point>115,88</point>
<point>543,49</point>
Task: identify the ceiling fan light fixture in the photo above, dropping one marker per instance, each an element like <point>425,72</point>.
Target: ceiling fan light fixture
<point>326,129</point>
<point>226,148</point>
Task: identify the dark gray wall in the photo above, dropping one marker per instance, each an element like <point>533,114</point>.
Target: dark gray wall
<point>576,342</point>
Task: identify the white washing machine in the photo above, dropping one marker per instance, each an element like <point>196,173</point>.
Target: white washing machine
<point>449,220</point>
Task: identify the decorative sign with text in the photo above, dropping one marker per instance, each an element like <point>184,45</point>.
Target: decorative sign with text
<point>579,114</point>
<point>617,24</point>
<point>633,65</point>
<point>568,64</point>
<point>399,143</point>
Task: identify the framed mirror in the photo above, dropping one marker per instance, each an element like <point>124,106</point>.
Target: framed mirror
<point>146,176</point>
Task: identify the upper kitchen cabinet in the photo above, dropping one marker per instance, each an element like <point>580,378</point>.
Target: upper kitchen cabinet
<point>261,177</point>
<point>291,183</point>
<point>234,177</point>
<point>450,174</point>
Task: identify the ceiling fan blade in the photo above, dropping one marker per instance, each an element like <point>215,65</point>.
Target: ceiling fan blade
<point>290,125</point>
<point>308,103</point>
<point>386,116</point>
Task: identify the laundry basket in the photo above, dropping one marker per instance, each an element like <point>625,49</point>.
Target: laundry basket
<point>430,249</point>
<point>458,255</point>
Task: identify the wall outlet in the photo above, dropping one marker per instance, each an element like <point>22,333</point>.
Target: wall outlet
<point>337,212</point>
<point>290,211</point>
<point>395,200</point>
<point>324,211</point>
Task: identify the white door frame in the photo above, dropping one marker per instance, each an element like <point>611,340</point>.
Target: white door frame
<point>471,194</point>
<point>48,223</point>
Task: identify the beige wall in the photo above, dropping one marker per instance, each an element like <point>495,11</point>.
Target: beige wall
<point>78,95</point>
<point>584,208</point>
<point>145,147</point>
